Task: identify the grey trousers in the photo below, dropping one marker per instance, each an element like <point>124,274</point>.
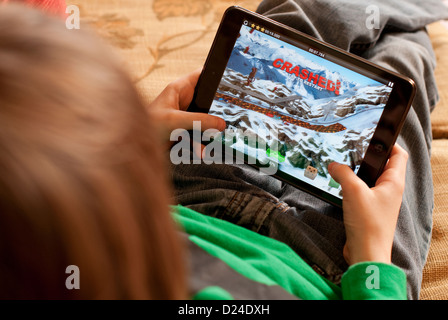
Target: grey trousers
<point>313,228</point>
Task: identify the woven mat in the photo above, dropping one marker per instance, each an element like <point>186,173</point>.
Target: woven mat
<point>435,273</point>
<point>439,119</point>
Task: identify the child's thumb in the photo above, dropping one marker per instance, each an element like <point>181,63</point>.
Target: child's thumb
<point>343,175</point>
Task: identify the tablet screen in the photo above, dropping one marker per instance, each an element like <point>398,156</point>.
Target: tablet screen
<point>304,108</point>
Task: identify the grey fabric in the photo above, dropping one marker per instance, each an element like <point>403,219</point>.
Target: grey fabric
<point>313,228</point>
<point>206,270</point>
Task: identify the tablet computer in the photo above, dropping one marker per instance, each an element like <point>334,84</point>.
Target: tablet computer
<point>295,104</point>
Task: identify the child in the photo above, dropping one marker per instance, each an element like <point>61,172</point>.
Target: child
<point>83,182</point>
<point>80,183</point>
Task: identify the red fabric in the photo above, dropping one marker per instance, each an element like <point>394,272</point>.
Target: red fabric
<point>56,7</point>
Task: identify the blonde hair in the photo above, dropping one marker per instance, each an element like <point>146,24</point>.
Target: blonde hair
<point>82,180</point>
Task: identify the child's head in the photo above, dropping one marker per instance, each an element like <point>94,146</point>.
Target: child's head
<point>54,7</point>
<point>81,175</point>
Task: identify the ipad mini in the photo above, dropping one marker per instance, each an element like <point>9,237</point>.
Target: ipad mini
<point>294,104</point>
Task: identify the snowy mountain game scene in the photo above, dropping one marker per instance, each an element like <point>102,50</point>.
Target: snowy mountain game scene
<point>319,111</point>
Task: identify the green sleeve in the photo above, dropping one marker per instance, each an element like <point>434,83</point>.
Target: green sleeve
<point>213,293</point>
<point>373,280</point>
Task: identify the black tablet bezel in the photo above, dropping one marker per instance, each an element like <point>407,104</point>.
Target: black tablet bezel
<point>390,122</point>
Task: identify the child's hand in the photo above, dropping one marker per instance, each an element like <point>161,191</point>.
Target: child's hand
<point>370,214</point>
<point>168,109</point>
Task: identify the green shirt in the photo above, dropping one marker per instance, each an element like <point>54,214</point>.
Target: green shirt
<point>272,262</point>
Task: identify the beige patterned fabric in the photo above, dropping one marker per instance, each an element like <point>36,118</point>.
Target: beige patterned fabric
<point>161,40</point>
